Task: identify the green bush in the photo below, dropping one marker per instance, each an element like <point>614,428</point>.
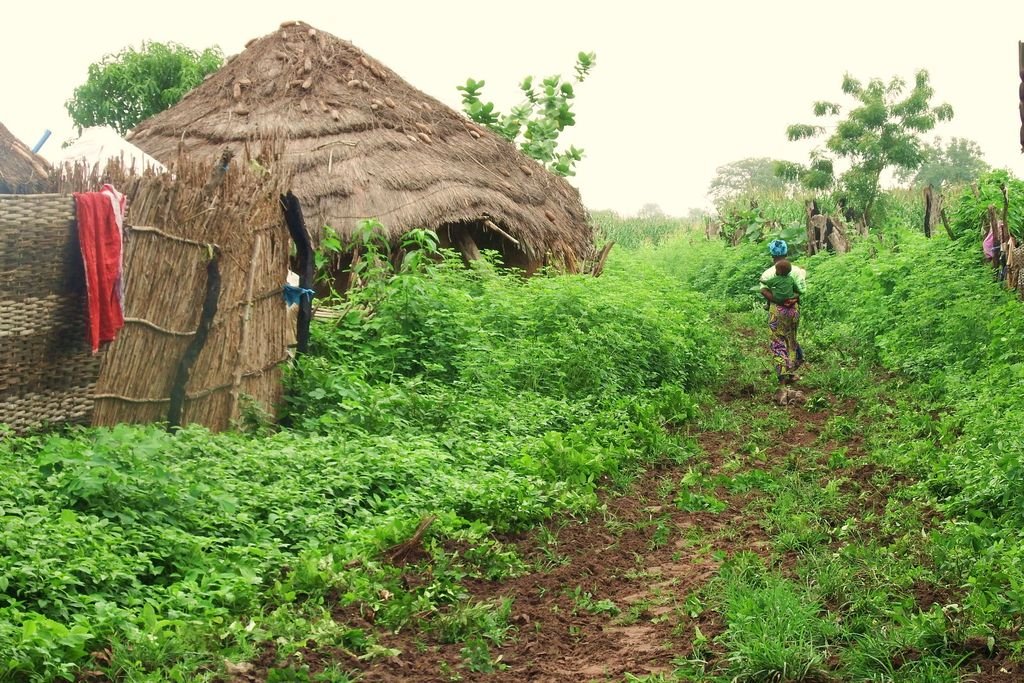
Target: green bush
<point>970,212</point>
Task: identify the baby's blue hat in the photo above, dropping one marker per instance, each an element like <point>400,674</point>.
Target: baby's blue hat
<point>778,248</point>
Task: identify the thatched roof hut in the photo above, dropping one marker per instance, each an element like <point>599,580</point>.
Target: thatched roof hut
<point>363,143</point>
<point>21,171</point>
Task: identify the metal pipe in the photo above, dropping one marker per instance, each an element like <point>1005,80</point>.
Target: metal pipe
<point>42,141</point>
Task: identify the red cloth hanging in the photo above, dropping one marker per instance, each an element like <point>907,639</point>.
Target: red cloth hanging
<point>99,217</point>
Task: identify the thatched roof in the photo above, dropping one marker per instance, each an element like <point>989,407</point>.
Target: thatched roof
<point>363,143</point>
<point>21,171</point>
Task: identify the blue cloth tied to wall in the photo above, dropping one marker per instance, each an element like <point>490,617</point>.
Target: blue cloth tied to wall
<point>293,295</point>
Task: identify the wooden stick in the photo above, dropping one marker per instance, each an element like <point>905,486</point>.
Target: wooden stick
<point>162,330</point>
<point>945,223</point>
<point>601,258</point>
<point>810,235</point>
<point>1005,233</point>
<point>399,551</point>
<point>304,251</point>
<point>177,407</point>
<point>158,231</point>
<point>490,225</point>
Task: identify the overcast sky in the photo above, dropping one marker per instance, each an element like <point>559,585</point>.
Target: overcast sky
<point>677,90</point>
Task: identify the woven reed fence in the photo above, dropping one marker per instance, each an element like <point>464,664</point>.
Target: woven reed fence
<point>47,371</point>
<point>206,326</point>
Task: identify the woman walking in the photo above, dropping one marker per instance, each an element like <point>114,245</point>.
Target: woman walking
<point>784,316</point>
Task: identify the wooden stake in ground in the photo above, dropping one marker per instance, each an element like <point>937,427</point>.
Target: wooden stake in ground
<point>602,256</point>
<point>811,207</point>
<point>945,222</point>
<point>1020,47</point>
<point>928,211</point>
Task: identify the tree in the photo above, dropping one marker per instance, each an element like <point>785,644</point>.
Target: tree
<point>958,163</point>
<point>746,176</point>
<point>650,210</point>
<point>882,131</point>
<point>536,123</point>
<point>123,89</point>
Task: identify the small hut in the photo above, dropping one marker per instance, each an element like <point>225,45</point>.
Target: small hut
<point>360,142</point>
<point>21,170</point>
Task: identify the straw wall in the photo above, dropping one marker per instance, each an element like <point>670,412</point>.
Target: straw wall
<point>205,236</point>
<point>206,326</point>
<point>47,372</point>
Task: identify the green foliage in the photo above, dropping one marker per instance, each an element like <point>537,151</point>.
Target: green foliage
<point>958,163</point>
<point>747,177</point>
<point>897,210</point>
<point>881,131</point>
<point>536,124</point>
<point>634,232</point>
<point>489,401</point>
<point>763,218</point>
<point>970,212</point>
<point>123,89</point>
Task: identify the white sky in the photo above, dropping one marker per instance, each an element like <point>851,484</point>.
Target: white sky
<point>678,90</point>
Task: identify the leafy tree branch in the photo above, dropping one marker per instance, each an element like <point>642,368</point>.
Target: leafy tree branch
<point>536,124</point>
<point>128,87</point>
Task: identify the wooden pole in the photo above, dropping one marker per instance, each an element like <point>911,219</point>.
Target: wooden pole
<point>928,211</point>
<point>464,241</point>
<point>1020,48</point>
<point>812,211</point>
<point>243,335</point>
<point>601,258</point>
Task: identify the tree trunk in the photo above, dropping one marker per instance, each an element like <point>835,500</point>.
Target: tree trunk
<point>304,252</point>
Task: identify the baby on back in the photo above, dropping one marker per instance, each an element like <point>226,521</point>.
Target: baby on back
<point>782,285</point>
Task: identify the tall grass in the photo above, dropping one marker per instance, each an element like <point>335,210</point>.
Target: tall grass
<point>632,232</point>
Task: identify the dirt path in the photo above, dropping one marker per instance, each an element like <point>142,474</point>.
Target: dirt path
<point>623,594</point>
<point>635,592</point>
